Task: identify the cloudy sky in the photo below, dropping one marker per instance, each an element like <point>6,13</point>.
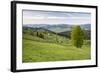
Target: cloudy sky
<point>52,17</point>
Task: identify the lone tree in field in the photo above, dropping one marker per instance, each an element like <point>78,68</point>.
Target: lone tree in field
<point>77,36</point>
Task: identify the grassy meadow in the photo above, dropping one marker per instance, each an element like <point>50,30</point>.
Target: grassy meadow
<point>40,45</point>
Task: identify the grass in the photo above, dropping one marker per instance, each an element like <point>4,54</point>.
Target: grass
<point>36,49</point>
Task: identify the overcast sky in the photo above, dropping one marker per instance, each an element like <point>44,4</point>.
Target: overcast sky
<point>52,17</point>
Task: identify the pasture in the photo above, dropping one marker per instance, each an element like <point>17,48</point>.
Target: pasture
<point>52,47</point>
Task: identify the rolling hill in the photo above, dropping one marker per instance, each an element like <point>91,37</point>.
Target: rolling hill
<point>57,28</point>
<point>51,47</point>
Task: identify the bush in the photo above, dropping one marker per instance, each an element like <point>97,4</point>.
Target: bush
<point>41,35</point>
<point>77,36</point>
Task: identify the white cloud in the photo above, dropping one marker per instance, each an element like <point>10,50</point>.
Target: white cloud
<point>42,17</point>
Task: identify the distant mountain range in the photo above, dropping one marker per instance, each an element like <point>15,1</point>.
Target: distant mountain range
<point>57,27</point>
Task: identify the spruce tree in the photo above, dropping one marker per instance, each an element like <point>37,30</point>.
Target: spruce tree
<point>77,36</point>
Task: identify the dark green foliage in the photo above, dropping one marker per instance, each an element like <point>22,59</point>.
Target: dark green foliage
<point>77,36</point>
<point>41,35</point>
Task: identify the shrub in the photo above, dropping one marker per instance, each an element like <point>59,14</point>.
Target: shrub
<point>41,35</point>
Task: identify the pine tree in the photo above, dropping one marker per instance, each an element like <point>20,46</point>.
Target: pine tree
<point>77,36</point>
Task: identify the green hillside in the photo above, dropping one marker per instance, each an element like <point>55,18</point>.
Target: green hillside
<point>47,46</point>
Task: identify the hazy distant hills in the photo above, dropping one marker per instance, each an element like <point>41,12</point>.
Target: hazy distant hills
<point>58,27</point>
<point>86,26</point>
